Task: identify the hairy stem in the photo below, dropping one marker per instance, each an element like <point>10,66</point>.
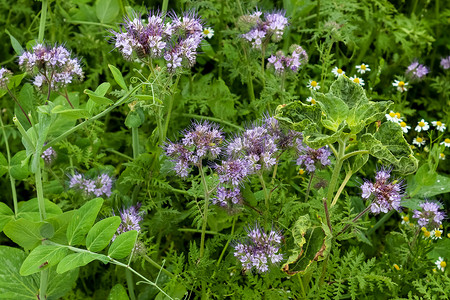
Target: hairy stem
<point>169,109</point>
<point>158,266</point>
<point>327,214</point>
<point>228,242</point>
<point>205,210</point>
<point>309,186</point>
<point>354,220</point>
<point>336,171</point>
<point>43,20</point>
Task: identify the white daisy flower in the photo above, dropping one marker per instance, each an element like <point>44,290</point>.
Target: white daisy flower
<point>363,68</point>
<point>441,264</point>
<point>393,117</point>
<point>337,71</point>
<point>422,125</point>
<point>419,141</point>
<point>441,156</point>
<point>357,80</point>
<point>405,128</point>
<point>312,84</point>
<point>400,85</point>
<point>208,32</point>
<point>446,142</point>
<point>405,219</point>
<point>311,100</point>
<point>439,125</point>
<point>436,234</point>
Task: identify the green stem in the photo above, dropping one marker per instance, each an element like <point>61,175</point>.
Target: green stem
<point>213,119</point>
<point>130,284</point>
<point>23,132</point>
<point>327,214</point>
<point>119,154</point>
<point>40,193</point>
<point>43,284</point>
<point>165,5</point>
<point>135,138</point>
<point>380,222</point>
<point>336,171</point>
<point>348,155</point>
<point>89,23</point>
<point>341,188</point>
<point>301,286</point>
<point>156,265</point>
<point>169,109</point>
<point>197,230</point>
<point>205,210</point>
<point>318,14</point>
<point>266,194</point>
<point>88,121</point>
<point>228,242</point>
<point>354,220</point>
<point>11,179</point>
<point>309,186</point>
<point>43,20</point>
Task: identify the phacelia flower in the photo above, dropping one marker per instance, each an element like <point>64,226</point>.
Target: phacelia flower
<point>445,63</point>
<point>200,141</point>
<point>357,80</point>
<point>233,171</point>
<point>281,63</point>
<point>100,186</point>
<point>441,264</point>
<point>386,195</point>
<point>363,68</point>
<point>130,219</point>
<point>419,141</point>
<point>227,197</point>
<point>400,85</point>
<point>272,27</point>
<point>429,216</point>
<point>337,72</point>
<point>208,32</point>
<point>439,125</point>
<point>5,76</point>
<point>259,250</point>
<point>417,71</point>
<point>446,142</point>
<point>311,100</point>
<point>311,158</point>
<point>393,117</point>
<point>52,66</point>
<point>405,128</point>
<point>49,155</point>
<point>422,125</point>
<point>312,84</point>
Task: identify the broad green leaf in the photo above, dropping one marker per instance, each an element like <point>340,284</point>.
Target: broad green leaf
<point>24,233</point>
<point>70,113</point>
<point>47,230</point>
<point>440,185</point>
<point>118,77</point>
<point>60,223</point>
<point>4,167</point>
<point>14,82</point>
<point>299,116</point>
<point>102,89</point>
<point>334,110</point>
<point>13,286</point>
<point>389,145</point>
<point>318,140</point>
<point>123,245</point>
<point>62,123</point>
<point>82,221</point>
<point>118,292</point>
<point>60,284</point>
<point>100,100</point>
<point>19,166</point>
<point>15,43</point>
<point>75,260</point>
<point>101,234</point>
<point>107,10</point>
<point>27,100</point>
<point>42,257</point>
<point>135,118</point>
<point>30,209</point>
<point>208,50</point>
<point>6,215</point>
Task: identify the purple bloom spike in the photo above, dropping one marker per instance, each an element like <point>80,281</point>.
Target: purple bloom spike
<point>430,216</point>
<point>272,26</point>
<point>417,71</point>
<point>310,158</point>
<point>5,75</point>
<point>49,155</point>
<point>445,63</point>
<point>100,186</point>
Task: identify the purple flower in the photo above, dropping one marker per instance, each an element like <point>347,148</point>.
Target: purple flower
<point>49,155</point>
<point>233,171</point>
<point>201,141</point>
<point>100,186</point>
<point>5,75</point>
<point>445,63</point>
<point>227,197</point>
<point>387,195</point>
<point>259,250</point>
<point>52,66</point>
<point>430,216</point>
<point>417,71</point>
<point>130,219</point>
<point>272,26</point>
<point>281,63</point>
<point>310,158</point>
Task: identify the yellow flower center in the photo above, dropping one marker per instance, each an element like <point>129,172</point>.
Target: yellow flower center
<point>356,80</point>
<point>392,114</point>
<point>206,31</point>
<point>301,171</point>
<point>443,264</point>
<point>427,234</point>
<point>403,124</point>
<point>363,67</point>
<point>313,83</point>
<point>401,84</point>
<point>397,115</point>
<point>421,124</point>
<point>396,267</point>
<point>406,218</point>
<point>339,71</point>
<point>447,141</point>
<point>438,233</point>
<point>438,123</point>
<point>313,101</point>
<point>419,140</point>
<point>442,155</point>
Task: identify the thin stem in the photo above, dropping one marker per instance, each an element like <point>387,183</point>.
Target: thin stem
<point>205,210</point>
<point>40,193</point>
<point>380,222</point>
<point>348,155</point>
<point>156,265</point>
<point>266,194</point>
<point>135,138</point>
<point>130,283</point>
<point>228,242</point>
<point>23,132</point>
<point>341,187</point>
<point>42,24</point>
<point>327,214</point>
<point>119,154</point>
<point>66,95</point>
<point>88,23</point>
<point>354,220</point>
<point>18,103</point>
<point>301,286</point>
<point>336,171</point>
<point>318,14</point>
<point>213,119</point>
<point>11,179</point>
<point>169,109</point>
<point>309,186</point>
<point>197,230</point>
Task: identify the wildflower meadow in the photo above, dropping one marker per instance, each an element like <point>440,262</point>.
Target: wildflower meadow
<point>292,149</point>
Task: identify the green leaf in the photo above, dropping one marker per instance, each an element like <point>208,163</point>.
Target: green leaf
<point>76,260</point>
<point>26,99</point>
<point>100,100</point>
<point>389,145</point>
<point>299,116</point>
<point>107,10</point>
<point>15,43</point>
<point>19,166</point>
<point>30,209</point>
<point>60,224</point>
<point>12,284</point>
<point>6,215</point>
<point>123,245</point>
<point>118,77</point>
<point>24,233</point>
<point>42,257</point>
<point>60,284</point>
<point>440,185</point>
<point>4,167</point>
<point>102,89</point>
<point>72,113</point>
<point>82,221</point>
<point>318,140</point>
<point>135,118</point>
<point>101,234</point>
<point>118,292</point>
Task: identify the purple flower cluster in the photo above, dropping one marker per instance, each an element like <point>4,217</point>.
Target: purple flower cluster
<point>281,63</point>
<point>52,66</point>
<point>387,195</point>
<point>445,63</point>
<point>259,250</point>
<point>100,186</point>
<point>310,158</point>
<point>167,36</point>
<point>430,216</point>
<point>5,75</point>
<point>272,26</point>
<point>417,71</point>
<point>49,155</point>
<point>130,219</point>
<point>200,141</point>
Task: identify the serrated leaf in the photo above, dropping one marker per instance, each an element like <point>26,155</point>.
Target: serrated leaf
<point>107,10</point>
<point>76,113</point>
<point>100,100</point>
<point>123,245</point>
<point>101,234</point>
<point>42,257</point>
<point>24,233</point>
<point>82,221</point>
<point>75,260</point>
<point>118,77</point>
